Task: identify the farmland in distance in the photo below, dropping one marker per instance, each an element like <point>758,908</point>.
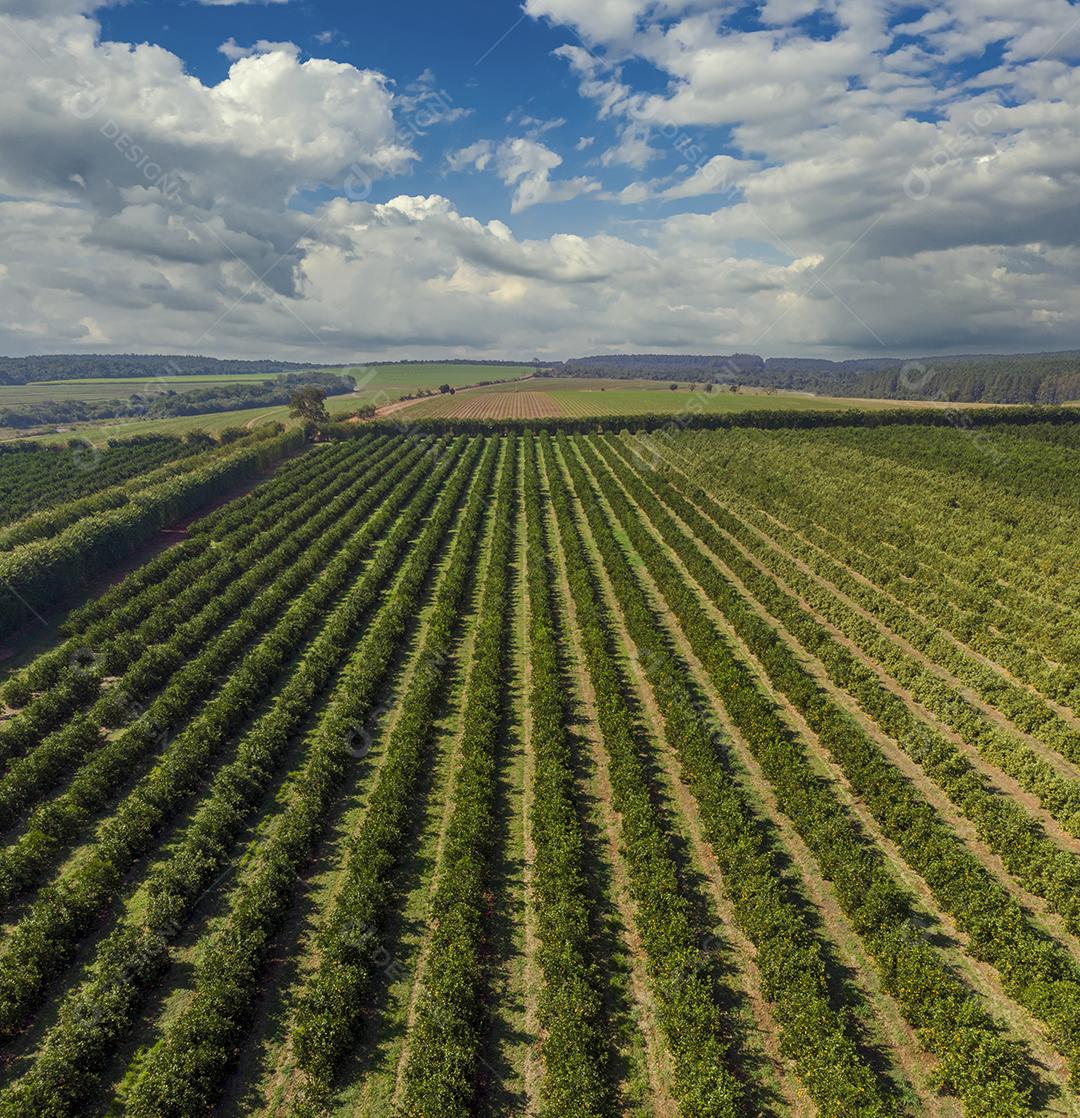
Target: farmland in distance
<point>556,397</point>
<point>381,386</point>
<point>710,773</point>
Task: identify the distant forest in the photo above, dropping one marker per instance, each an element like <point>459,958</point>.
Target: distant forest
<point>61,366</point>
<point>67,366</point>
<point>165,403</point>
<point>1025,378</point>
<point>497,363</point>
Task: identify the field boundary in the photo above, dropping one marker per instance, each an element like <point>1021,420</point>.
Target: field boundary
<point>961,418</point>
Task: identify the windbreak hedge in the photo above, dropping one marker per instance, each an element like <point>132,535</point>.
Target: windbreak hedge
<point>50,555</point>
<point>691,420</point>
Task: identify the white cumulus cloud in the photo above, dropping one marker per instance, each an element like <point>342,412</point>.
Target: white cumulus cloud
<point>237,3</point>
<point>527,165</point>
<point>856,195</point>
<point>233,51</point>
<point>474,157</point>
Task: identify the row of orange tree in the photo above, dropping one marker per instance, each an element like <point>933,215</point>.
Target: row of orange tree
<point>68,1065</point>
<point>1036,970</point>
<point>682,976</point>
<point>46,556</point>
<point>48,935</point>
<point>100,766</point>
<point>976,1060</point>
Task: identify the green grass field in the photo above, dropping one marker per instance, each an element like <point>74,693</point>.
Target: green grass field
<point>101,389</point>
<point>638,401</point>
<point>212,422</point>
<point>193,378</point>
<point>586,396</point>
<point>379,384</point>
<point>384,384</point>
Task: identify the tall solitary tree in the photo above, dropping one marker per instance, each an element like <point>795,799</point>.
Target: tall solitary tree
<point>309,404</point>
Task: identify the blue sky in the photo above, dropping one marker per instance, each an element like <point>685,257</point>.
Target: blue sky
<point>316,180</point>
<point>490,61</point>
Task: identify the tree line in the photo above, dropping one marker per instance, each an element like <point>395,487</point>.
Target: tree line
<point>767,418</point>
<point>70,366</point>
<point>1019,378</point>
<point>161,402</point>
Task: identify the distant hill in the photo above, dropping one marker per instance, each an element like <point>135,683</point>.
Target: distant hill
<point>497,363</point>
<point>1020,378</point>
<point>67,366</point>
